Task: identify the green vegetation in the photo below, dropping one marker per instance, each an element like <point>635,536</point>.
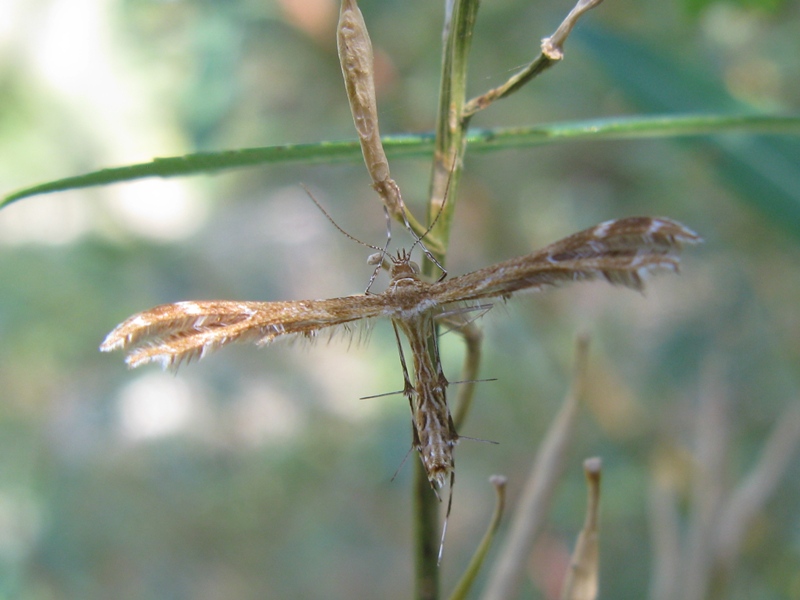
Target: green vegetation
<point>259,473</point>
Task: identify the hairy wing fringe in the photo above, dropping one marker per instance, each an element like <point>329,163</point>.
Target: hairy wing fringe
<point>174,333</point>
<point>622,252</point>
<point>624,237</point>
<point>174,350</point>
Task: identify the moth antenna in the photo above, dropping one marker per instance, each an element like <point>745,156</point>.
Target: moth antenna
<point>382,251</point>
<point>381,262</point>
<point>418,239</point>
<point>444,200</point>
<point>335,224</point>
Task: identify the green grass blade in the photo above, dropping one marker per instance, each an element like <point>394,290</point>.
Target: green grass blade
<point>417,145</point>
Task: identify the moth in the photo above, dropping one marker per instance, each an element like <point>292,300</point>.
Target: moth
<point>622,252</point>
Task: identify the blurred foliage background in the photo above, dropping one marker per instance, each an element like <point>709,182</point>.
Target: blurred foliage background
<point>260,473</point>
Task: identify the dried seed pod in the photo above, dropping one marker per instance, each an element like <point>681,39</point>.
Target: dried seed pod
<point>355,56</point>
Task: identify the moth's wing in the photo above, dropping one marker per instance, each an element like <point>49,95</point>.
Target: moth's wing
<point>622,252</point>
<point>172,333</point>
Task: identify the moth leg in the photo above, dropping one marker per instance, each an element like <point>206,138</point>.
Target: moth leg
<point>447,515</point>
<point>455,319</point>
<point>443,383</point>
<point>418,238</point>
<point>473,337</point>
<point>408,389</point>
<point>379,259</point>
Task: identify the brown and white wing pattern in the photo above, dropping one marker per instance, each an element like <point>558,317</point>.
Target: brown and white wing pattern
<point>622,252</point>
<point>173,333</point>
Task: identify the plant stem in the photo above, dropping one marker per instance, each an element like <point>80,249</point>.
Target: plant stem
<point>426,509</point>
<point>449,146</point>
<point>447,162</point>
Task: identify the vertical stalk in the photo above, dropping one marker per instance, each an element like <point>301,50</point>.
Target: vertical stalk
<point>450,125</point>
<point>447,163</point>
<point>426,518</point>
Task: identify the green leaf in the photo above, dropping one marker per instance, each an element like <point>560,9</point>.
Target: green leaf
<point>422,145</point>
<point>763,172</point>
<point>696,7</point>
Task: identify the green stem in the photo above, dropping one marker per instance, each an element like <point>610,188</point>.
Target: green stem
<point>449,148</point>
<point>451,128</point>
<point>426,509</point>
